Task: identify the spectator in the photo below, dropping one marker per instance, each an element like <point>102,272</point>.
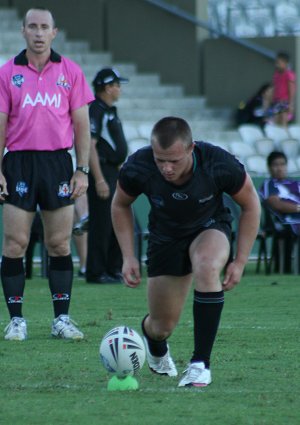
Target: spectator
<point>108,152</point>
<point>284,82</point>
<point>189,238</point>
<point>281,197</point>
<point>43,105</point>
<point>257,109</point>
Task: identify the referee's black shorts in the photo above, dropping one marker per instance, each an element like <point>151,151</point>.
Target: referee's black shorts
<point>171,258</point>
<point>38,178</point>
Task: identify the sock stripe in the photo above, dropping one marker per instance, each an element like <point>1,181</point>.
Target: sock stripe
<point>209,300</point>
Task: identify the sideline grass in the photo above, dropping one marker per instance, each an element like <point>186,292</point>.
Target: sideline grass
<point>256,372</point>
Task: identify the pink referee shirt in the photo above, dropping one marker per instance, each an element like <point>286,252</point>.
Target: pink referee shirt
<point>39,105</point>
<point>280,82</point>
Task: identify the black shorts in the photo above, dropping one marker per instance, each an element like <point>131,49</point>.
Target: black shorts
<point>38,178</point>
<point>172,258</point>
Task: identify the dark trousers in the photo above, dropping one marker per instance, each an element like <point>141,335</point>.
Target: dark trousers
<point>104,254</point>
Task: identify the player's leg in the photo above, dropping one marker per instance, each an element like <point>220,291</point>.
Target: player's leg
<point>57,235</point>
<point>166,298</point>
<point>80,238</point>
<point>16,233</point>
<point>209,253</point>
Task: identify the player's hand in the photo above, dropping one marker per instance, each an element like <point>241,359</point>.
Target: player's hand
<point>3,187</point>
<point>131,272</point>
<point>78,184</point>
<point>102,189</point>
<point>233,275</point>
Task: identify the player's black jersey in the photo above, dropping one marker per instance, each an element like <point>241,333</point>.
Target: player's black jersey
<point>178,211</point>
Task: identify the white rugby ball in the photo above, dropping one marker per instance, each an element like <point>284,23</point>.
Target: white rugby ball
<point>122,351</point>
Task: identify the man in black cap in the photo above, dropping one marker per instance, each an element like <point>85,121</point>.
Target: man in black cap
<point>108,152</point>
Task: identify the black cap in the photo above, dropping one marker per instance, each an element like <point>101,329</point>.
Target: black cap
<point>108,76</point>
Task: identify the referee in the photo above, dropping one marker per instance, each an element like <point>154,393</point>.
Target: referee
<point>43,105</point>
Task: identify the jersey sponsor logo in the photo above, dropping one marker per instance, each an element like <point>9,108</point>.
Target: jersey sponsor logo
<point>21,188</point>
<point>60,297</point>
<point>180,196</point>
<point>62,82</point>
<point>17,80</point>
<point>45,100</point>
<point>63,190</point>
<point>203,200</point>
<point>157,201</point>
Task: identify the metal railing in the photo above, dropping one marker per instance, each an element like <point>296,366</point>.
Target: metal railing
<point>176,11</point>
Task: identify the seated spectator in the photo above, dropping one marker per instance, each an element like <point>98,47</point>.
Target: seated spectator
<point>257,109</point>
<point>281,198</point>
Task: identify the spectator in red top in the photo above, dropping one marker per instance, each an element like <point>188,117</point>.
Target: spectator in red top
<point>284,82</point>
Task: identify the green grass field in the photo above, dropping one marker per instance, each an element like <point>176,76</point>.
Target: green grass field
<point>255,365</point>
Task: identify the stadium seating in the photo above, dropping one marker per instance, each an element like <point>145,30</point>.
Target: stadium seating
<point>250,133</point>
<point>290,147</point>
<point>264,146</point>
<point>276,133</point>
<point>256,165</point>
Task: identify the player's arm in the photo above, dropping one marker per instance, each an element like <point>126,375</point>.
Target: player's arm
<point>101,185</point>
<point>81,126</point>
<point>123,223</point>
<point>248,200</point>
<point>3,125</point>
<point>282,206</point>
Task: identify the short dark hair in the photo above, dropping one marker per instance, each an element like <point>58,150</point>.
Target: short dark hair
<point>169,129</point>
<point>283,56</point>
<point>276,155</point>
<point>43,9</point>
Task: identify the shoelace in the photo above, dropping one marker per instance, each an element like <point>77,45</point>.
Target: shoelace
<point>165,363</point>
<point>193,372</point>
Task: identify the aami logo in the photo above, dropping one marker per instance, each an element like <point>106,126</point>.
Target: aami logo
<point>45,101</point>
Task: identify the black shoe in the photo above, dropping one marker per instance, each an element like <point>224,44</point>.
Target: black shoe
<point>118,277</point>
<point>103,278</point>
<point>81,274</point>
<point>81,227</point>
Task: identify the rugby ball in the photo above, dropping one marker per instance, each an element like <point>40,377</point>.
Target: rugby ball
<point>122,351</point>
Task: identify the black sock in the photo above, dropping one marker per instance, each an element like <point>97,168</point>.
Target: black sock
<point>13,283</point>
<point>157,348</point>
<point>207,313</point>
<point>60,283</point>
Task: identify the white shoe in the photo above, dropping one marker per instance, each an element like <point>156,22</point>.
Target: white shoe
<point>161,365</point>
<point>64,327</point>
<point>16,330</point>
<point>196,375</point>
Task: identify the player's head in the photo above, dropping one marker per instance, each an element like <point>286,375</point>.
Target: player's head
<point>282,61</point>
<point>39,30</point>
<point>168,130</point>
<point>172,145</point>
<point>277,164</point>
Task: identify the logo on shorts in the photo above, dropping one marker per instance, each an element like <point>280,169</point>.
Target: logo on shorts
<point>180,196</point>
<point>60,297</point>
<point>63,190</point>
<point>17,80</point>
<point>62,82</point>
<point>21,188</point>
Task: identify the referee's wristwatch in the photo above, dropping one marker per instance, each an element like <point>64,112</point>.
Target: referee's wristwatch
<point>85,170</point>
